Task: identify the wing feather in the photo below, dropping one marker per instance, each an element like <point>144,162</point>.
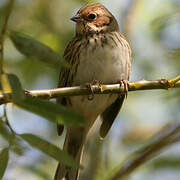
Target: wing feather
<point>65,75</point>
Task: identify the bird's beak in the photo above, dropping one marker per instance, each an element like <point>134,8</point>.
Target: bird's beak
<point>76,18</point>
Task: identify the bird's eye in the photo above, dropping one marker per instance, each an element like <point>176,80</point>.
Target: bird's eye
<point>91,16</point>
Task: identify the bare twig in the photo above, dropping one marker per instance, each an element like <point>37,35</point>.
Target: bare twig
<point>103,89</point>
<point>163,139</point>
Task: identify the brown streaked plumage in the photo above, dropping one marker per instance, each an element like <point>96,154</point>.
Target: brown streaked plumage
<point>97,52</point>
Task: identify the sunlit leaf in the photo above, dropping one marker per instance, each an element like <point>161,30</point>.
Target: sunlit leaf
<point>4,83</point>
<point>4,156</point>
<point>51,111</point>
<point>49,149</point>
<point>35,49</point>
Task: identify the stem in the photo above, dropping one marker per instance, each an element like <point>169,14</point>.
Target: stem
<point>2,33</point>
<point>164,138</point>
<point>97,89</point>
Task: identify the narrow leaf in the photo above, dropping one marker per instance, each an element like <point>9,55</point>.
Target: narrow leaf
<point>49,149</point>
<point>17,90</point>
<point>4,156</point>
<point>51,111</point>
<point>35,49</point>
<point>4,132</point>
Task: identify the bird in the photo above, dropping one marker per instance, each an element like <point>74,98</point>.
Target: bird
<point>98,52</point>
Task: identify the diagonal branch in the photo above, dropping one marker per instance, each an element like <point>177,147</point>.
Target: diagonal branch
<point>97,89</point>
<point>167,136</point>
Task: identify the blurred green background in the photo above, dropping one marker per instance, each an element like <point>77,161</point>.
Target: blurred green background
<point>153,30</point>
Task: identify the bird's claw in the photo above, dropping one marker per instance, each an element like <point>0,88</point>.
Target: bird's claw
<point>89,86</point>
<point>126,84</point>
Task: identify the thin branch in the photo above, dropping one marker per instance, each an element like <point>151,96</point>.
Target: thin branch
<point>163,139</point>
<point>97,89</point>
<point>2,33</point>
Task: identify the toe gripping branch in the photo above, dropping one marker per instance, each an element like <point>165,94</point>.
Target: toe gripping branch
<point>89,86</point>
<point>126,85</point>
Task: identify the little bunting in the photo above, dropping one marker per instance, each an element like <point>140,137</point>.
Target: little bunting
<point>97,52</point>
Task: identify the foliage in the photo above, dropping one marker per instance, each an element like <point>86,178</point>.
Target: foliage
<point>37,34</point>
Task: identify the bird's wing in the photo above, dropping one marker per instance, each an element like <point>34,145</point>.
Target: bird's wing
<point>109,115</point>
<point>65,75</point>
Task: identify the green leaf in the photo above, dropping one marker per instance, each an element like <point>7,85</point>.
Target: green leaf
<point>166,162</point>
<point>4,132</point>
<point>15,143</point>
<point>4,156</point>
<point>51,111</point>
<point>49,149</point>
<point>35,49</point>
<point>17,90</point>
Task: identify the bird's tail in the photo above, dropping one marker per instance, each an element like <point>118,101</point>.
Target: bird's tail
<point>73,145</point>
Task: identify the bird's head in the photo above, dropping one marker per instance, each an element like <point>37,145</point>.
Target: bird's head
<point>94,18</point>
